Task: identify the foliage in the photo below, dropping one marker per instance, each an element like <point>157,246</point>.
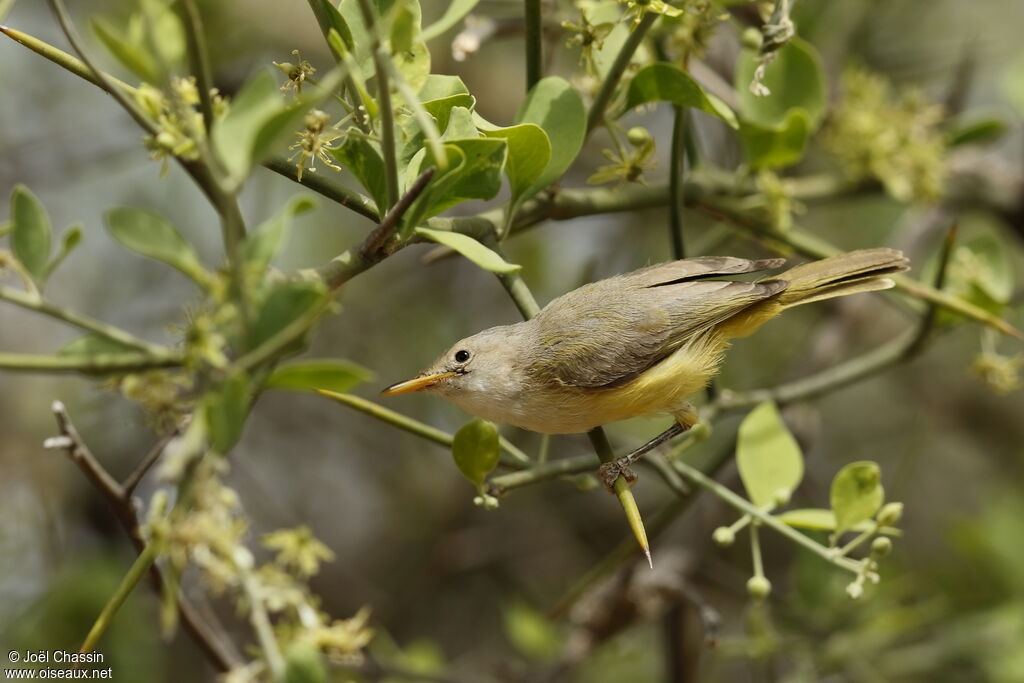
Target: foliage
<point>424,158</point>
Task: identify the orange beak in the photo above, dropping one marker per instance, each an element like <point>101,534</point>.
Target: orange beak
<point>416,384</point>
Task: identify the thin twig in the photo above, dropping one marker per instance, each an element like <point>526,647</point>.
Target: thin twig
<point>130,483</point>
<point>382,233</point>
<point>931,314</point>
<point>677,157</point>
<point>387,114</point>
<point>611,80</point>
<point>355,201</point>
<point>420,429</point>
<point>208,185</point>
<point>199,60</point>
<point>534,43</point>
<point>738,502</point>
<point>104,363</point>
<point>828,380</point>
<point>115,334</point>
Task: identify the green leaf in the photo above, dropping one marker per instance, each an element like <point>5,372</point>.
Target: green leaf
<point>1013,84</point>
<point>796,79</point>
<point>440,86</point>
<point>776,146</point>
<point>529,152</point>
<point>259,119</point>
<point>328,17</point>
<point>456,10</point>
<point>471,249</point>
<point>262,243</point>
<point>151,235</point>
<point>310,375</point>
<point>558,109</point>
<point>856,494</point>
<point>976,131</point>
<point>461,125</point>
<point>94,345</point>
<point>285,303</point>
<point>362,158</point>
<point>132,55</point>
<point>404,25</point>
<point>164,32</point>
<point>304,664</point>
<point>413,63</point>
<point>441,109</point>
<point>31,232</point>
<point>662,82</point>
<point>71,238</point>
<point>995,274</point>
<point>473,171</point>
<point>819,519</point>
<point>476,449</point>
<point>532,633</point>
<point>226,409</point>
<point>769,459</point>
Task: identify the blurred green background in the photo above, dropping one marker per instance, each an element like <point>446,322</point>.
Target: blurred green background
<point>454,587</point>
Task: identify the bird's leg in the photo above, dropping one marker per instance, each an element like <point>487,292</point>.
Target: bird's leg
<point>686,417</point>
<point>610,471</point>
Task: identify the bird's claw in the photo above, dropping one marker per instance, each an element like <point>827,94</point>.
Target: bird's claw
<point>609,472</point>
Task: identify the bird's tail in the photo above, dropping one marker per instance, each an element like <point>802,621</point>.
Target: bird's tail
<point>849,273</point>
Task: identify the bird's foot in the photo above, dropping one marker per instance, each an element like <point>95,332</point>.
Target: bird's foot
<point>609,472</point>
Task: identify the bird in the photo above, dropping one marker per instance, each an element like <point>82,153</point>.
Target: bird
<point>636,344</point>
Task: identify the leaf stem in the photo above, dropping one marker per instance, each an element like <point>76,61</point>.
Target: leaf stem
<point>611,80</point>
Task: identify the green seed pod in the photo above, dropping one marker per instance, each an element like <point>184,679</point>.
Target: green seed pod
<point>880,547</point>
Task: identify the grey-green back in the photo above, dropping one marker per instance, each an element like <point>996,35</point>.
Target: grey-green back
<point>607,333</point>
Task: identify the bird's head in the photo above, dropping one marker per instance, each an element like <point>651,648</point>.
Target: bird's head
<point>477,369</point>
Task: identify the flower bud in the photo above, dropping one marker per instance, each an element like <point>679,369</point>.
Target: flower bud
<point>752,39</point>
<point>855,590</point>
<point>723,536</point>
<point>781,497</point>
<point>700,431</point>
<point>890,514</point>
<point>759,587</point>
<point>638,135</point>
<point>880,547</point>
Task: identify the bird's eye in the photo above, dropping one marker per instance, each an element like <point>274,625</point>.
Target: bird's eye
<point>461,356</point>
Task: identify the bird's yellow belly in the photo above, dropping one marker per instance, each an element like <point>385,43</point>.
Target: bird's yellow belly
<point>663,389</point>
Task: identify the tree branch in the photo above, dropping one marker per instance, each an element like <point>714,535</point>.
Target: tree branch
<point>114,363</point>
<point>421,429</point>
<point>208,637</point>
<point>39,305</point>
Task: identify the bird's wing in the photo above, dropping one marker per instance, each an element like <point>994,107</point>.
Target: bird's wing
<point>699,268</point>
<point>607,333</point>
